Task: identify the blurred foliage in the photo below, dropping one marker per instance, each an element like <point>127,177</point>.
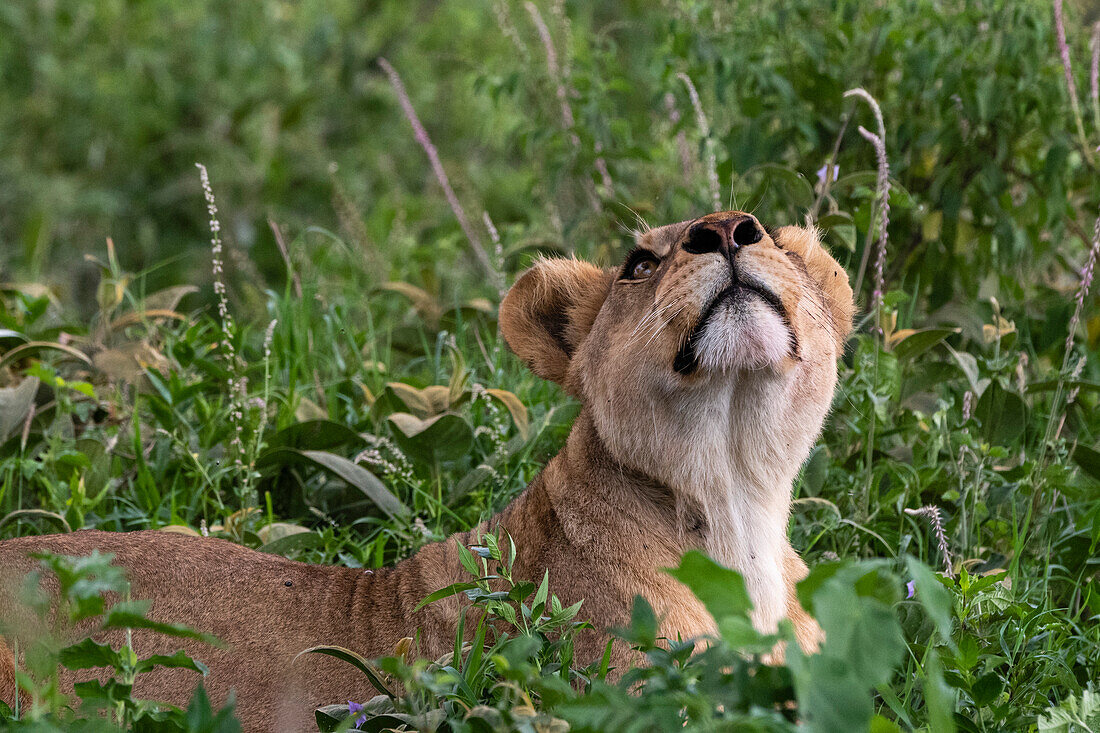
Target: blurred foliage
<point>77,614</point>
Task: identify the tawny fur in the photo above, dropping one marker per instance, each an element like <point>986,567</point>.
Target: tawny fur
<point>657,463</point>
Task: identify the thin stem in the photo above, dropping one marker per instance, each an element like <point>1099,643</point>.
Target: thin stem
<point>830,166</point>
<point>882,199</point>
<point>1094,75</point>
<point>421,136</point>
<point>1067,69</point>
<point>708,142</point>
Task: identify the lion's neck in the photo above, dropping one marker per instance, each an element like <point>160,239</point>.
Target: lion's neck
<point>735,463</point>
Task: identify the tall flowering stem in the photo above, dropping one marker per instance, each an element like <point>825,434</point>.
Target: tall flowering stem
<point>882,197</point>
<point>681,138</point>
<point>1067,69</point>
<point>508,29</point>
<point>237,383</point>
<point>704,130</point>
<point>1083,289</point>
<point>259,404</point>
<point>931,512</point>
<point>421,136</point>
<point>567,120</point>
<point>559,74</point>
<point>498,250</point>
<point>1058,408</point>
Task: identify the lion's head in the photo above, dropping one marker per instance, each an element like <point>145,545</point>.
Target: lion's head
<point>712,348</point>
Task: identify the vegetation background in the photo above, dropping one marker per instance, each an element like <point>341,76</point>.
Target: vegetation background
<point>324,380</point>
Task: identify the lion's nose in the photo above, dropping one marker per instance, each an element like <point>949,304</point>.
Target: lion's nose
<point>724,236</point>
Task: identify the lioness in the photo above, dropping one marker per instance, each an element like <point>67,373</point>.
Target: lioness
<point>705,366</point>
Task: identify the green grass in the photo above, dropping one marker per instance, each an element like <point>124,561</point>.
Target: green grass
<point>993,201</point>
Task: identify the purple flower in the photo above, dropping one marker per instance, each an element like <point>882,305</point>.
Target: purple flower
<point>823,172</point>
<point>910,589</point>
<point>353,708</point>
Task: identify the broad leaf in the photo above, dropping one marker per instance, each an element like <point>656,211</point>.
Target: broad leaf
<point>909,343</point>
<point>342,468</point>
<point>720,589</point>
<point>15,404</point>
<point>131,615</point>
<point>443,437</point>
<point>314,435</point>
<point>515,408</point>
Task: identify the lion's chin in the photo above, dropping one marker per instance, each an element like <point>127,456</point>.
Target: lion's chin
<point>743,334</point>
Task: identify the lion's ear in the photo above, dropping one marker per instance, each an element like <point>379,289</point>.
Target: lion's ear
<point>549,311</point>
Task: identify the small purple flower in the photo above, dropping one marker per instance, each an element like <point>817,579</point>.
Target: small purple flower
<point>823,172</point>
<point>910,589</point>
<point>353,708</point>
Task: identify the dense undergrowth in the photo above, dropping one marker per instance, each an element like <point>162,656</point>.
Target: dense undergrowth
<point>367,406</point>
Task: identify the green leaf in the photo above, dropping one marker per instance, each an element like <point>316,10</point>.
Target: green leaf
<point>1088,460</point>
<point>102,694</point>
<point>739,633</point>
<point>313,435</point>
<point>329,717</point>
<point>917,342</point>
<point>1071,713</point>
<point>1050,385</point>
<point>643,624</point>
<point>862,649</point>
<point>969,365</point>
<point>938,697</point>
<point>981,582</point>
<point>354,474</point>
<point>1003,415</point>
<point>450,590</point>
<point>543,591</point>
<point>201,718</point>
<point>289,543</point>
<point>179,660</point>
<point>444,437</point>
<point>841,226</point>
<point>814,472</point>
<point>818,575</point>
<point>796,189</point>
<point>515,408</point>
<point>15,404</point>
<point>936,599</point>
<point>880,724</point>
<point>356,660</point>
<point>521,590</point>
<point>862,632</point>
<point>987,689</point>
<point>88,654</point>
<point>720,589</point>
<point>131,615</point>
<point>466,557</point>
<point>33,347</point>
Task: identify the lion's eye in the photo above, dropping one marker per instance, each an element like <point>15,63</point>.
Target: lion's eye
<point>643,268</point>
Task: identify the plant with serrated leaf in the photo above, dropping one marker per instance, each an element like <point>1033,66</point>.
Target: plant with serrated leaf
<point>512,659</point>
<point>80,603</point>
<point>1073,715</point>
